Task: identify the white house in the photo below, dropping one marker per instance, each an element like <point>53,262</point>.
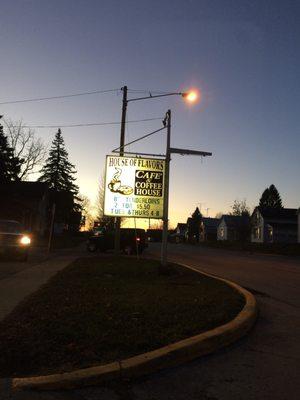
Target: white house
<point>271,225</point>
<point>233,227</point>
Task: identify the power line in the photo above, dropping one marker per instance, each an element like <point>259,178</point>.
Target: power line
<point>91,124</point>
<point>77,95</point>
<point>58,97</point>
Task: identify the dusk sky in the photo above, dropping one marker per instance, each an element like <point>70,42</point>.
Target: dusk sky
<point>244,56</point>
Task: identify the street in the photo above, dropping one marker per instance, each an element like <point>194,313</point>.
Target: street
<point>263,365</point>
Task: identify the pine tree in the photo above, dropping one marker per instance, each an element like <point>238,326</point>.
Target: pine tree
<point>10,165</point>
<point>58,172</point>
<point>194,225</point>
<point>270,198</point>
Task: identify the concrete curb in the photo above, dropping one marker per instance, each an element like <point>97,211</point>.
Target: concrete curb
<point>167,356</point>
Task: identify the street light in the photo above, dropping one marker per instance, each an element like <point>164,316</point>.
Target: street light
<point>191,96</point>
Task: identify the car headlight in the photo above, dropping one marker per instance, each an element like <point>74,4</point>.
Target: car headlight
<point>25,240</point>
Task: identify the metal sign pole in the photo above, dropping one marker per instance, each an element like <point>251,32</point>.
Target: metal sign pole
<point>121,152</point>
<point>164,247</point>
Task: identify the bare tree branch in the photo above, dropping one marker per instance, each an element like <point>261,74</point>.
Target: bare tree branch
<point>29,149</point>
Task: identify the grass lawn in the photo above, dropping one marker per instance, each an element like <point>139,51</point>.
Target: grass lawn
<point>104,309</point>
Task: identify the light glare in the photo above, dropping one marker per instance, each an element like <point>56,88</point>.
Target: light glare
<point>192,96</point>
<point>25,240</point>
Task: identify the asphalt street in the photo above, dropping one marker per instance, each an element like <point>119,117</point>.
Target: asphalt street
<point>263,365</point>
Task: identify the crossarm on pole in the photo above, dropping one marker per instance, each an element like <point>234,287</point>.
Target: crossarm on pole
<point>190,152</point>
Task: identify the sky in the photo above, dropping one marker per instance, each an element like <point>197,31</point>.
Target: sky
<point>243,56</point>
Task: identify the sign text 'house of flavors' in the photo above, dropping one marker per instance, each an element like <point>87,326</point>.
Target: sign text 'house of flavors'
<point>134,187</point>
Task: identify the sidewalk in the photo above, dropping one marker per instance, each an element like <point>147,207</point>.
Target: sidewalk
<point>13,290</point>
<point>16,287</point>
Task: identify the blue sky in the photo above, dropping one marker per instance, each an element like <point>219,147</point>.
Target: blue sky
<point>244,57</point>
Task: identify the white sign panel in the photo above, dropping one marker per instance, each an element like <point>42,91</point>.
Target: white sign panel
<point>134,187</point>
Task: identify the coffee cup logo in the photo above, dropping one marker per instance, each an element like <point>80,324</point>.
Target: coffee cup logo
<point>115,184</point>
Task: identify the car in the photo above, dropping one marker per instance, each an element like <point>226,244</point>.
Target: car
<point>13,240</point>
<point>132,241</point>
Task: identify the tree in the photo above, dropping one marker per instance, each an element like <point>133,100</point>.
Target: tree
<point>270,198</point>
<point>193,227</point>
<point>109,222</point>
<point>240,207</point>
<point>30,150</point>
<point>87,213</point>
<point>59,173</point>
<point>10,165</point>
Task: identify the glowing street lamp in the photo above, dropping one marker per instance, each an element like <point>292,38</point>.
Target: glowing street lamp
<point>191,96</point>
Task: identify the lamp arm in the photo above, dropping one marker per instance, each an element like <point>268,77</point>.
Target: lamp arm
<point>157,95</point>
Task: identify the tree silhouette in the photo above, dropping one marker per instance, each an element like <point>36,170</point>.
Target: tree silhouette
<point>270,198</point>
<point>29,149</point>
<point>240,208</point>
<point>58,172</point>
<point>10,165</point>
<point>194,225</point>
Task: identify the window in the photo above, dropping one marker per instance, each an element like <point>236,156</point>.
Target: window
<point>257,233</point>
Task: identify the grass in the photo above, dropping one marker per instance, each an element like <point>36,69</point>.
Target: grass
<point>99,310</point>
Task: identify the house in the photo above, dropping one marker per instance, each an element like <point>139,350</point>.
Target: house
<point>179,233</point>
<point>209,229</point>
<point>233,227</point>
<point>271,225</point>
<point>26,202</point>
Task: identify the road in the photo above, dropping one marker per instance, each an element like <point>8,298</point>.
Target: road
<point>264,365</point>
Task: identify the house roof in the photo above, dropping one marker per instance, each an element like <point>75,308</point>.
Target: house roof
<point>235,221</point>
<point>24,189</point>
<point>181,228</point>
<point>278,214</point>
<point>211,222</point>
<point>181,225</point>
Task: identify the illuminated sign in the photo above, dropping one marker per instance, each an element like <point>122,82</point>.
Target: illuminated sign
<point>134,187</point>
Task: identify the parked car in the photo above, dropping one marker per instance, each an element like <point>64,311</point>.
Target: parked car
<point>131,240</point>
<point>13,240</point>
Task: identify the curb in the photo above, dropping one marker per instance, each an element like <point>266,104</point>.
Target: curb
<point>164,357</point>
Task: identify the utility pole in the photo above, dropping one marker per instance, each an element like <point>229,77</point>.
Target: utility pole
<point>121,153</point>
<point>164,246</point>
<point>51,228</point>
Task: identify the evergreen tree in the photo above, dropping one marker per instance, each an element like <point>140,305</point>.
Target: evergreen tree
<point>58,172</point>
<point>10,165</point>
<point>270,198</point>
<point>194,225</point>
